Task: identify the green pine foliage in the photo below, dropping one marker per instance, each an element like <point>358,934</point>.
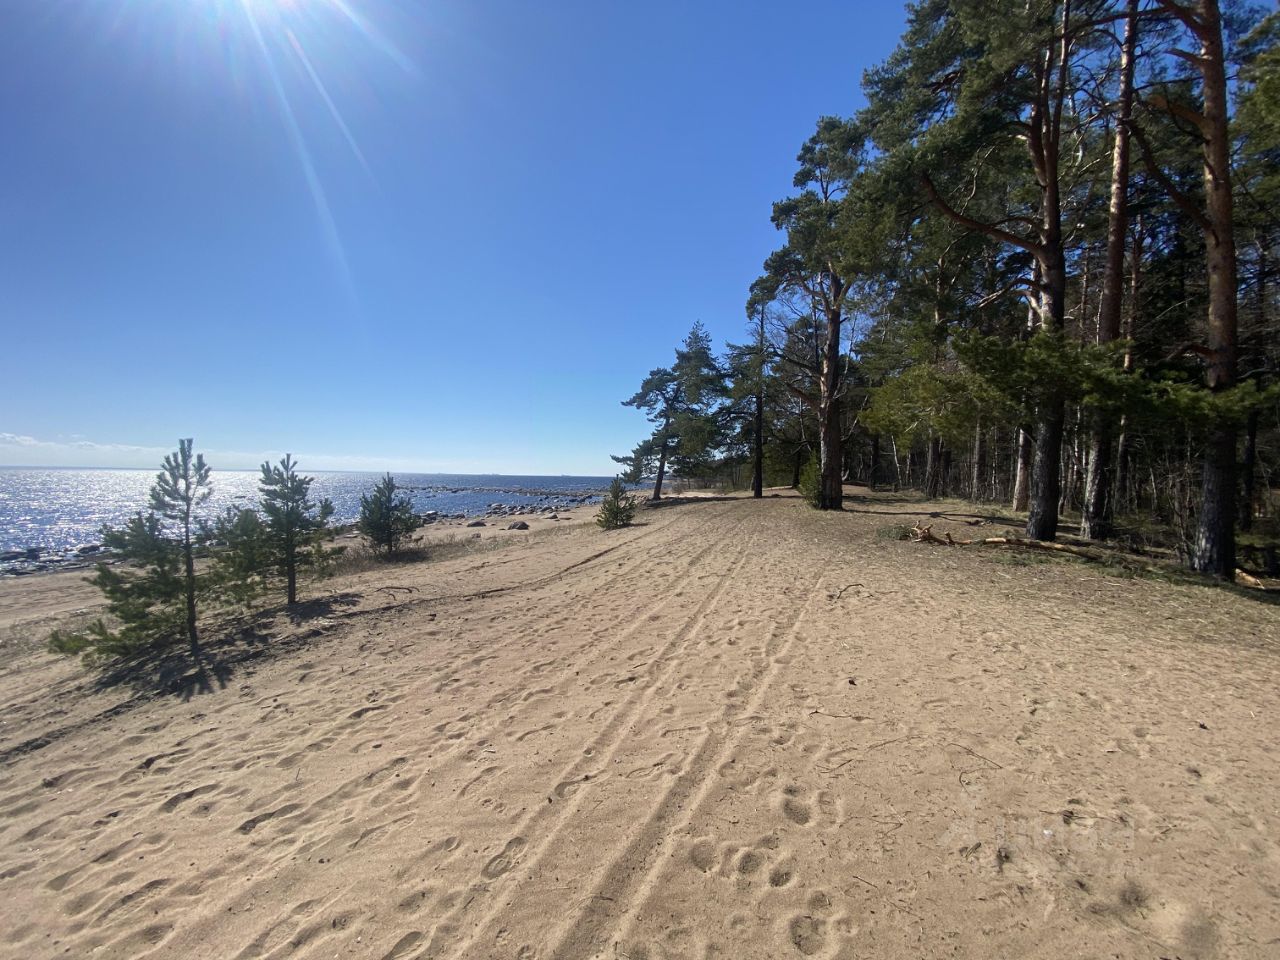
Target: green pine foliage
<point>152,596</point>
<point>295,527</point>
<point>145,600</point>
<point>618,508</point>
<point>686,403</point>
<point>243,555</point>
<point>387,518</point>
<point>810,482</point>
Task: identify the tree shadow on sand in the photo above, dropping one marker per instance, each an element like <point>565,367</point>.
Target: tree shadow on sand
<point>182,672</point>
<point>866,504</point>
<point>670,503</point>
<point>174,671</point>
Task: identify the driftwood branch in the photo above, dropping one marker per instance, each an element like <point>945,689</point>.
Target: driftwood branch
<point>922,534</point>
<point>925,534</point>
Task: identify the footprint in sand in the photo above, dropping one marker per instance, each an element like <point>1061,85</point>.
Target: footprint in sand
<point>254,822</point>
<point>178,798</point>
<point>732,860</point>
<point>795,809</point>
<point>703,855</point>
<point>808,931</point>
<point>807,934</point>
<point>568,788</point>
<point>819,809</point>
<point>504,861</point>
<point>403,946</point>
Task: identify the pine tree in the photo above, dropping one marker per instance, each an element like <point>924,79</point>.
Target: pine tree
<point>243,555</point>
<point>152,599</point>
<point>181,486</point>
<point>385,518</point>
<point>684,401</point>
<point>618,508</point>
<point>294,526</point>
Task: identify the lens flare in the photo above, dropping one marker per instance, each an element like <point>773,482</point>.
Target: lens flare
<point>300,59</point>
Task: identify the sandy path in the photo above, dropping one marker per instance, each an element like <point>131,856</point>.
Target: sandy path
<point>740,730</point>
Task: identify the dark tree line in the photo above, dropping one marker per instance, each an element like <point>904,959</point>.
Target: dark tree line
<point>1039,266</point>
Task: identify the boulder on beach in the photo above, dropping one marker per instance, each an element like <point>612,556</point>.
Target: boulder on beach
<point>477,523</point>
<point>518,525</point>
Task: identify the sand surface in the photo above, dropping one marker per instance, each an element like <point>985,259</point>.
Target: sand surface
<point>739,730</point>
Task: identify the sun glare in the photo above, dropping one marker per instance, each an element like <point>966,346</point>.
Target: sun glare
<point>308,54</point>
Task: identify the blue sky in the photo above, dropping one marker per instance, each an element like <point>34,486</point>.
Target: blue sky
<point>400,234</point>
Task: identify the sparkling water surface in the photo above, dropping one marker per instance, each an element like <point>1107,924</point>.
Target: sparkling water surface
<point>60,509</point>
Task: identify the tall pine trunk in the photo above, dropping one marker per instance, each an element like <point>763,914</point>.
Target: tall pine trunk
<point>1045,145</point>
<point>1046,454</point>
<point>1248,466</point>
<point>975,475</point>
<point>662,471</point>
<point>757,453</point>
<point>1022,470</point>
<point>1215,548</point>
<point>933,468</point>
<point>1099,507</point>
<point>830,454</point>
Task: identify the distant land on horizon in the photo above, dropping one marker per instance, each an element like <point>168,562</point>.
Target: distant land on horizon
<point>424,473</point>
<point>74,452</point>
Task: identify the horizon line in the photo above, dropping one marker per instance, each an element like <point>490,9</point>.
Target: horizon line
<point>437,473</point>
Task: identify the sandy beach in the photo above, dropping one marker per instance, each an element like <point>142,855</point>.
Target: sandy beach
<point>739,729</point>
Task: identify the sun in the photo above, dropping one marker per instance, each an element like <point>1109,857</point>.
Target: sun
<point>308,61</point>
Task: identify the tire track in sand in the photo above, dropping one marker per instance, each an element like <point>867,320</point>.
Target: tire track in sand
<point>598,753</point>
<point>632,875</point>
<point>569,662</point>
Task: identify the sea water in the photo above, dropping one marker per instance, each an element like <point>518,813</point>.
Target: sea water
<point>58,510</point>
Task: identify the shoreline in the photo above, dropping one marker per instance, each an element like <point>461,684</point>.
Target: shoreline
<point>76,597</point>
<point>34,561</point>
<point>739,727</point>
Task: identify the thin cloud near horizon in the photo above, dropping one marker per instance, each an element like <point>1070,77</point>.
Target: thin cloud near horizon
<point>21,450</point>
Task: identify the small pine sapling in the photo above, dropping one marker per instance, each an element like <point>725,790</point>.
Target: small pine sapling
<point>243,555</point>
<point>152,598</point>
<point>618,508</point>
<point>386,518</point>
<point>295,527</point>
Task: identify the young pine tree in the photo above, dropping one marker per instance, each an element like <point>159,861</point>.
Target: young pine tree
<point>181,486</point>
<point>152,599</point>
<point>618,508</point>
<point>294,526</point>
<point>244,557</point>
<point>386,518</point>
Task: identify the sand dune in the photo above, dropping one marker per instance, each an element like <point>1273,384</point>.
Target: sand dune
<point>742,729</point>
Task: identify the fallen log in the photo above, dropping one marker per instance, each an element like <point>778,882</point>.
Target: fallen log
<point>921,534</point>
<point>925,534</point>
<point>1249,580</point>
